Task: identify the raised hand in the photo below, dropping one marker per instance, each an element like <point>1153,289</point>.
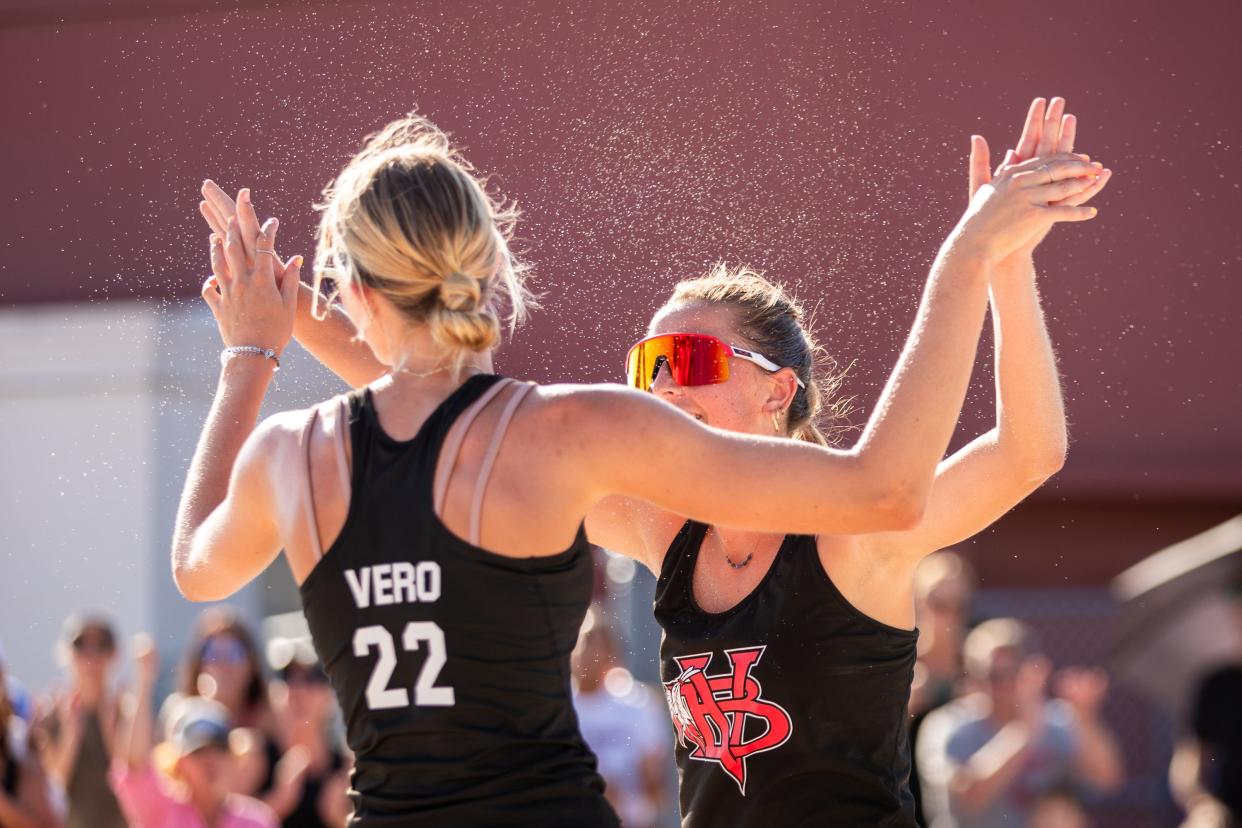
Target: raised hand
<point>1083,688</point>
<point>217,207</point>
<point>1022,201</point>
<point>1048,130</point>
<point>252,297</point>
<point>146,661</point>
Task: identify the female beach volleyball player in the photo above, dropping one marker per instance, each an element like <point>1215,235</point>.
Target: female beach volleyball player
<point>440,612</point>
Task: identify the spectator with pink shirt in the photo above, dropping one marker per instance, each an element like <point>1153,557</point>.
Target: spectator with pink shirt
<point>191,787</point>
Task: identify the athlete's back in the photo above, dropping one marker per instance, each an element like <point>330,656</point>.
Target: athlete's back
<point>451,663</point>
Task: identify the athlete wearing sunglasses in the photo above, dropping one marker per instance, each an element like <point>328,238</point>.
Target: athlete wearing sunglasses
<point>691,359</point>
<point>574,446</point>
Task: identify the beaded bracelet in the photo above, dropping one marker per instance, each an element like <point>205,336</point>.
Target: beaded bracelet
<point>267,353</point>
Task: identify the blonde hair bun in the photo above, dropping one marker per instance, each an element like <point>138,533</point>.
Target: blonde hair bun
<point>459,292</point>
<point>409,219</point>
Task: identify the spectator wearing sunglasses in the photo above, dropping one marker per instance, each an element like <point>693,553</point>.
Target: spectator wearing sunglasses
<point>80,723</point>
<point>186,781</point>
<point>311,763</point>
<point>222,663</point>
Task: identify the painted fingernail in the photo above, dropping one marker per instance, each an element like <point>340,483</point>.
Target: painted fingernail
<point>297,262</point>
<point>1097,165</point>
<point>1094,212</point>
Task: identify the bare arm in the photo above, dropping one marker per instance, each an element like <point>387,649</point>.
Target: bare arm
<point>991,771</point>
<point>993,473</point>
<point>136,733</point>
<point>212,546</point>
<point>882,483</point>
<point>1099,757</point>
<point>332,341</point>
<point>202,527</point>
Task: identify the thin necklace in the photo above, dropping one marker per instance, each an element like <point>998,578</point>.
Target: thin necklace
<point>420,374</point>
<point>745,561</point>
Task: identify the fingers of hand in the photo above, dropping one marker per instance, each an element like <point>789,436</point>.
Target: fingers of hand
<point>979,164</point>
<point>1069,131</point>
<point>235,253</point>
<point>1051,129</point>
<point>248,221</point>
<point>290,280</point>
<point>213,220</point>
<point>221,203</point>
<point>1092,190</point>
<point>220,266</point>
<point>1060,190</point>
<point>1032,128</point>
<point>1067,213</point>
<point>264,265</point>
<point>1052,169</point>
<point>211,293</point>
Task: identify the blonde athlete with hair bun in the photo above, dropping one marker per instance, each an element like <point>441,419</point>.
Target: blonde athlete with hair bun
<point>434,518</point>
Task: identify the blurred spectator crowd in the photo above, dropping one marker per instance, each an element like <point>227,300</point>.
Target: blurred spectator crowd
<point>253,737</point>
<point>245,739</point>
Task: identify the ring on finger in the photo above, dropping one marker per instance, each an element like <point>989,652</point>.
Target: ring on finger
<point>1051,178</point>
<point>262,250</point>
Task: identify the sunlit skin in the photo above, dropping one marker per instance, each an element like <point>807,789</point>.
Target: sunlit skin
<point>874,571</point>
<point>876,508</point>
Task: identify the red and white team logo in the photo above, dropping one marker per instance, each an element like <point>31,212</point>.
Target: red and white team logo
<point>720,714</point>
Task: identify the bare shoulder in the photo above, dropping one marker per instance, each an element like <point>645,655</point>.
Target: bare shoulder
<point>598,404</point>
<point>584,414</point>
<point>280,430</point>
<point>277,439</point>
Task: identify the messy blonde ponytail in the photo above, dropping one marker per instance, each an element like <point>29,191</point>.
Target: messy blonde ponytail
<point>409,218</point>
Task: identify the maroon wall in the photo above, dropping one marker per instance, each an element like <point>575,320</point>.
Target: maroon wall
<point>823,142</point>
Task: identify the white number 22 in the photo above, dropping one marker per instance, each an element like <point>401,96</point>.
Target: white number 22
<point>382,697</point>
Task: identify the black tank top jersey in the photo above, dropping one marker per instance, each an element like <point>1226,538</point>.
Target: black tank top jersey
<point>790,708</point>
<point>450,663</point>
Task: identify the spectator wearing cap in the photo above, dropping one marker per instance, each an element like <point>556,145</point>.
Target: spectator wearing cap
<point>987,758</point>
<point>186,781</point>
<point>79,723</point>
<point>312,769</point>
<point>222,663</point>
